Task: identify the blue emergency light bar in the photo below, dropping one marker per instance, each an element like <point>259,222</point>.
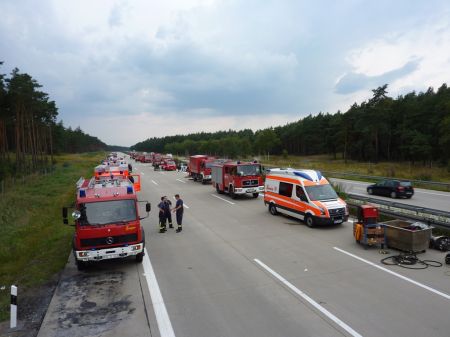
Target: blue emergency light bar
<point>129,190</point>
<point>82,194</point>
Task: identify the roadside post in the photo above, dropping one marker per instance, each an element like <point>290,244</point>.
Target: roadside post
<point>13,321</point>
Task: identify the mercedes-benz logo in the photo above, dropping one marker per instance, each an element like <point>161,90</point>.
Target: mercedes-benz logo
<point>109,240</point>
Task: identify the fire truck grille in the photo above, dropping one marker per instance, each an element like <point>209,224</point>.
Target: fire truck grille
<point>337,212</point>
<point>105,241</point>
<point>248,183</point>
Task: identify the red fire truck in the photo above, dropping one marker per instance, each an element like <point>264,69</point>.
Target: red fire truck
<point>235,177</point>
<point>200,167</point>
<point>107,222</point>
<point>168,165</point>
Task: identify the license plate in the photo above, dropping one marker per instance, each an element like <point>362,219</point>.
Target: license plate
<point>408,193</point>
<point>251,190</point>
<point>338,221</point>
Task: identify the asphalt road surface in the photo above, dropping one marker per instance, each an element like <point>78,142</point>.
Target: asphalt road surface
<point>422,198</point>
<point>235,270</point>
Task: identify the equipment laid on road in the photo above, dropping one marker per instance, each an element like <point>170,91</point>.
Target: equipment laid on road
<point>409,261</point>
<point>441,243</point>
<point>367,231</point>
<point>236,177</point>
<point>107,222</point>
<point>304,194</point>
<point>407,236</point>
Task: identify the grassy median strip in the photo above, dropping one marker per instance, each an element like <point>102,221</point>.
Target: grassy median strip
<point>34,243</point>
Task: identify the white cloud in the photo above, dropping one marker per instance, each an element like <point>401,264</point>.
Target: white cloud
<point>151,68</point>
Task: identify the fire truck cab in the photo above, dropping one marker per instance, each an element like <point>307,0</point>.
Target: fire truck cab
<point>107,222</point>
<point>235,177</point>
<point>304,194</point>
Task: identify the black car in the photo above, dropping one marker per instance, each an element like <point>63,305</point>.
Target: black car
<point>392,188</point>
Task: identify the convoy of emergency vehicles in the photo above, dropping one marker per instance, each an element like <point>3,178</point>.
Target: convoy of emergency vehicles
<point>106,212</point>
<point>303,194</point>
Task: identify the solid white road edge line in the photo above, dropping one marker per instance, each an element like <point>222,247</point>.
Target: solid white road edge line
<point>154,182</point>
<point>181,181</point>
<point>395,274</point>
<point>308,299</point>
<point>216,196</point>
<point>162,317</point>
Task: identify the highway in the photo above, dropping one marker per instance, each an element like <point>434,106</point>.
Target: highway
<point>422,198</point>
<point>235,270</point>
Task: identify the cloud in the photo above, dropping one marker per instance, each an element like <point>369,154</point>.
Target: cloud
<point>218,63</point>
<point>353,82</point>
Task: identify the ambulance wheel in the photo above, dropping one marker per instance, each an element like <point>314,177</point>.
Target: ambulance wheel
<point>232,194</point>
<point>309,221</point>
<point>218,189</point>
<point>273,209</point>
<point>255,195</point>
<point>139,257</point>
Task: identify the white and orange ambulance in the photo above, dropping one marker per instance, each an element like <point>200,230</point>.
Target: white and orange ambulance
<point>304,194</point>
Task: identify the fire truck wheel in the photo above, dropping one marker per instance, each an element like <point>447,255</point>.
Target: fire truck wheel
<point>218,189</point>
<point>232,194</point>
<point>309,221</point>
<point>81,265</point>
<point>195,178</point>
<point>139,257</point>
<point>273,209</point>
<point>255,195</point>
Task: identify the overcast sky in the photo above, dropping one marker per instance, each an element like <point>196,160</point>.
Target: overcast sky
<point>125,71</point>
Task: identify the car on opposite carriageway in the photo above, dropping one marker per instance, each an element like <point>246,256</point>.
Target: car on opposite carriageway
<point>393,188</point>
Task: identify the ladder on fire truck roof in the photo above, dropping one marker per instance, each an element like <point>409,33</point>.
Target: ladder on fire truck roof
<point>104,182</point>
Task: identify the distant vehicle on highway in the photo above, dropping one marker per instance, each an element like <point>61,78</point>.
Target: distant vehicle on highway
<point>392,188</point>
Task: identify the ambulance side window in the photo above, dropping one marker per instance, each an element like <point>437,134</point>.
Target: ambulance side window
<point>300,192</point>
<point>286,189</point>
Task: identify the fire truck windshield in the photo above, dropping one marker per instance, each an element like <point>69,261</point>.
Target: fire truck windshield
<point>321,192</point>
<point>249,170</point>
<point>107,212</point>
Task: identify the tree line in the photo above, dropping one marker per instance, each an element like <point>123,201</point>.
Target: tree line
<point>413,127</point>
<point>29,132</point>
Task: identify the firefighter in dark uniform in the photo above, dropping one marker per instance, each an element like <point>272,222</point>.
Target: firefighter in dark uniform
<point>179,209</point>
<point>167,214</point>
<point>162,216</point>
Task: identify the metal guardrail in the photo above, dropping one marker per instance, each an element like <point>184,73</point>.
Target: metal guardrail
<point>427,215</point>
<point>362,176</point>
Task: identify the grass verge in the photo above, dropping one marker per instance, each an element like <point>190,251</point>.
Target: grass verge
<point>34,244</point>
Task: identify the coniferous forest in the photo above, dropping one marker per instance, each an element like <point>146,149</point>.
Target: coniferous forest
<point>414,127</point>
<point>29,132</point>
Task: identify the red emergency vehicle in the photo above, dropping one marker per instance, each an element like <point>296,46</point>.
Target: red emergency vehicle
<point>235,177</point>
<point>107,222</point>
<point>200,167</point>
<point>168,165</point>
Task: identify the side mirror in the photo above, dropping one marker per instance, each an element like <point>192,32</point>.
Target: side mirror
<point>76,214</point>
<point>148,207</point>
